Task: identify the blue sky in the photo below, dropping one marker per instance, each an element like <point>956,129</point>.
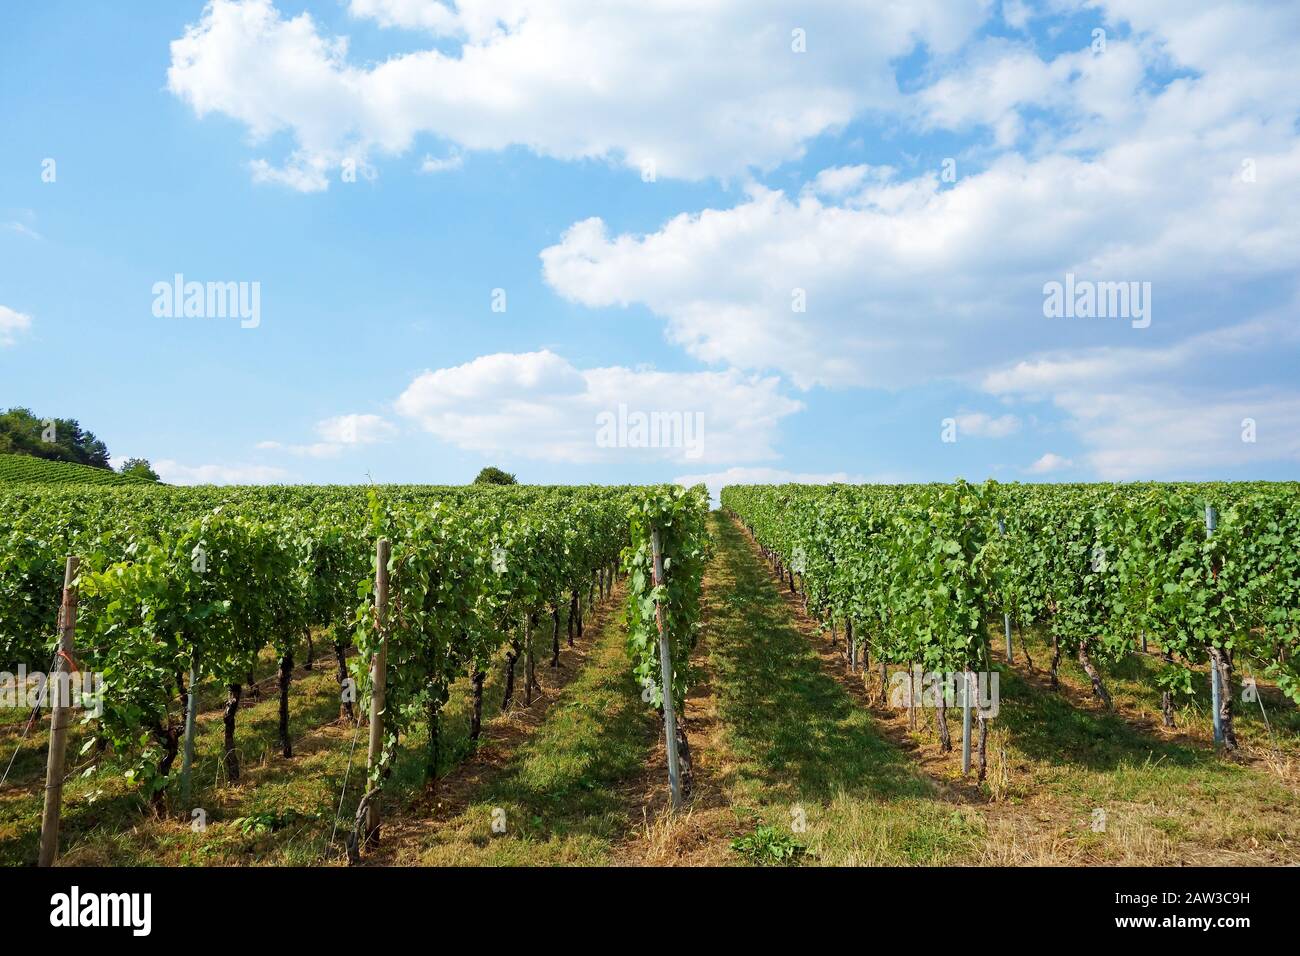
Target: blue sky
<point>654,186</point>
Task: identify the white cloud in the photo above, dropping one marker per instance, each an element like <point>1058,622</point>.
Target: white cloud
<point>429,15</point>
<point>1124,175</point>
<point>303,171</point>
<point>843,180</point>
<point>918,281</point>
<point>175,473</point>
<point>12,324</point>
<point>356,429</point>
<point>22,229</point>
<point>701,90</point>
<point>983,425</point>
<point>1165,432</point>
<point>1095,368</point>
<point>445,164</point>
<point>1016,13</point>
<point>1169,412</point>
<point>538,405</point>
<point>337,435</point>
<point>1048,463</point>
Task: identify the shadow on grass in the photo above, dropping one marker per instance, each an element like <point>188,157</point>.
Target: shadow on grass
<point>561,788</point>
<point>1132,679</point>
<point>1046,726</point>
<point>76,822</point>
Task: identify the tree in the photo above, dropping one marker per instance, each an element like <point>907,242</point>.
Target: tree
<point>495,476</point>
<point>55,439</point>
<point>140,468</point>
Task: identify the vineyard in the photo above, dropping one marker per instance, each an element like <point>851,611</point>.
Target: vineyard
<point>1208,573</point>
<point>24,469</point>
<point>171,590</point>
<point>525,674</point>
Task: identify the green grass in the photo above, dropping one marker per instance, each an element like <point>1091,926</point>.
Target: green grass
<point>568,795</point>
<point>1273,726</point>
<point>25,469</point>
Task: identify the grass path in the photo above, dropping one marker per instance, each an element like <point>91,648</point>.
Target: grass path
<point>796,757</point>
<point>566,789</point>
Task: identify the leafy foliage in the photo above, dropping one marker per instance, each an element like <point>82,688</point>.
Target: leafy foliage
<point>205,578</point>
<point>919,569</point>
<point>139,468</point>
<point>495,476</point>
<point>680,515</point>
<point>770,846</point>
<point>54,439</point>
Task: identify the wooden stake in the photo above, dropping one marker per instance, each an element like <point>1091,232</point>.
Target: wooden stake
<point>1216,688</point>
<point>1006,618</point>
<point>191,717</point>
<point>59,717</point>
<point>966,678</point>
<point>378,676</point>
<point>666,670</point>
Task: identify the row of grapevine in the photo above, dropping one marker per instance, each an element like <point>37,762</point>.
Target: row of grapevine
<point>665,567</point>
<point>919,571</point>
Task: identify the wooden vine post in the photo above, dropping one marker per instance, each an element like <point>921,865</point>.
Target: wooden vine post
<point>666,670</point>
<point>1216,685</point>
<point>59,717</point>
<point>966,721</point>
<point>378,680</point>
<point>1006,616</point>
<point>191,718</point>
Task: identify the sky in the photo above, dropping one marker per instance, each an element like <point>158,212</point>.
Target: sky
<point>848,240</point>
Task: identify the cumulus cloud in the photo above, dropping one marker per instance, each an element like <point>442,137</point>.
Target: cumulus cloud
<point>983,425</point>
<point>698,89</point>
<point>356,429</point>
<point>912,280</point>
<point>1128,175</point>
<point>12,324</point>
<point>429,15</point>
<point>337,435</point>
<point>175,473</point>
<point>1048,463</point>
<point>445,164</point>
<point>1016,13</point>
<point>1169,412</point>
<point>538,405</point>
